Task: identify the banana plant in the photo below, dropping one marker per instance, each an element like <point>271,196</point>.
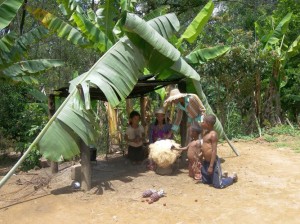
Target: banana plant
<point>14,49</point>
<point>199,56</point>
<point>283,54</point>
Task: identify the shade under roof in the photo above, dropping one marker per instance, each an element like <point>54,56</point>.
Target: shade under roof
<point>144,86</point>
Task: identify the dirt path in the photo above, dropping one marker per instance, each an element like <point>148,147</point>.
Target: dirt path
<point>267,192</point>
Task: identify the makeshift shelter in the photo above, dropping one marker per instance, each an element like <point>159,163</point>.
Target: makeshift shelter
<point>143,87</point>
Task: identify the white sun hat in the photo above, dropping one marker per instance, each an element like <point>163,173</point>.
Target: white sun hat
<point>174,94</point>
<point>160,110</point>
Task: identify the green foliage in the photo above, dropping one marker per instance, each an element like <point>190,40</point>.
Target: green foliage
<point>283,130</point>
<point>197,25</point>
<point>21,118</point>
<point>233,121</point>
<point>8,10</point>
<point>32,160</point>
<point>270,138</point>
<point>14,49</point>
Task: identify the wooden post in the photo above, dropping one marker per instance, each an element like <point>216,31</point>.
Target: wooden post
<point>51,109</point>
<point>183,125</point>
<point>143,110</point>
<point>86,174</point>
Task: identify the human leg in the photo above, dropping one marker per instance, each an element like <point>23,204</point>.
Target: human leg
<point>218,180</point>
<point>206,177</point>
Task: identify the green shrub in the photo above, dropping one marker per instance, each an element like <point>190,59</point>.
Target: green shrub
<point>270,138</point>
<point>32,160</point>
<point>283,130</point>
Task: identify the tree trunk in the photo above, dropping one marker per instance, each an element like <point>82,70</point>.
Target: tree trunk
<point>257,97</point>
<point>51,111</point>
<point>277,82</point>
<point>86,174</point>
<point>145,115</point>
<point>129,106</point>
<point>113,127</point>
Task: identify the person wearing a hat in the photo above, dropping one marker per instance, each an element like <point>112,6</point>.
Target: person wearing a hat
<point>188,103</point>
<point>160,129</point>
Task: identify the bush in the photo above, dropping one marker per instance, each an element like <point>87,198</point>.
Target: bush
<point>283,130</point>
<point>32,160</point>
<point>270,138</point>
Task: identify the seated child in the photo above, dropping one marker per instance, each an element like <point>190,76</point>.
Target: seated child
<point>134,136</point>
<point>211,167</point>
<point>193,152</point>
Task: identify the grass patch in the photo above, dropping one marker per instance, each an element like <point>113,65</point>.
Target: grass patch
<point>282,145</point>
<point>270,138</point>
<point>283,130</point>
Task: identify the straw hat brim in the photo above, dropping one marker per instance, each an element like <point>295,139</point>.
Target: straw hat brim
<point>177,96</point>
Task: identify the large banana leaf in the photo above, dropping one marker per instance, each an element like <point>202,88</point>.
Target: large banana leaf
<point>165,25</point>
<point>280,30</point>
<point>109,13</point>
<point>6,44</point>
<point>57,25</point>
<point>197,25</point>
<point>92,32</point>
<point>159,53</point>
<point>203,55</point>
<point>22,44</point>
<point>157,12</point>
<point>294,48</point>
<point>8,11</point>
<point>67,7</point>
<point>146,32</point>
<point>19,70</point>
<point>13,47</point>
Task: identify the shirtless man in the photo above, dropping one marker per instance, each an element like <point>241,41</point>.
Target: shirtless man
<point>211,167</point>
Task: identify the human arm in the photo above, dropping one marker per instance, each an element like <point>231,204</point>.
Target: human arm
<point>214,142</point>
<point>127,139</point>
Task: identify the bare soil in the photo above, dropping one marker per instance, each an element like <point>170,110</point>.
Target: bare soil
<point>267,191</point>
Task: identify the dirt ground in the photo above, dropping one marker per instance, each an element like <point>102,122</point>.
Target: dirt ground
<point>267,192</point>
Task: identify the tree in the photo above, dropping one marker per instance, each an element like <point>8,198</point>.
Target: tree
<point>14,48</point>
<point>284,54</point>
